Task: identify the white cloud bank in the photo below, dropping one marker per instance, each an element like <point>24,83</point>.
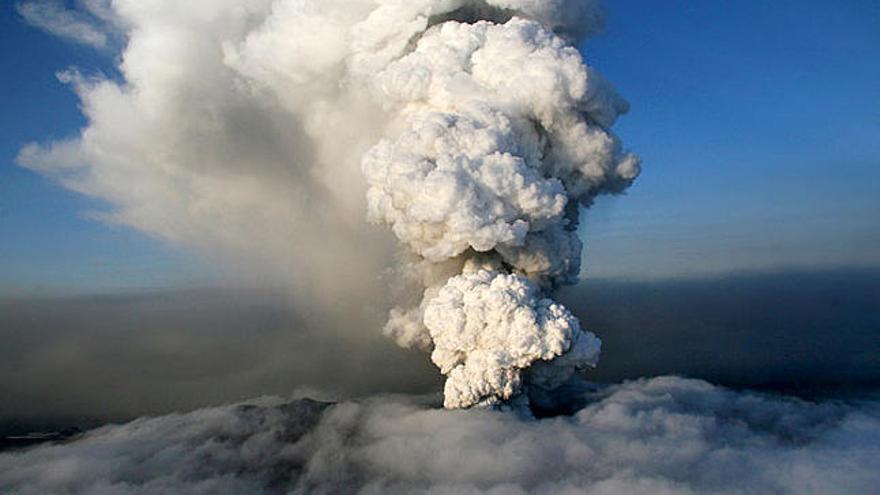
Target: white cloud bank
<point>660,436</point>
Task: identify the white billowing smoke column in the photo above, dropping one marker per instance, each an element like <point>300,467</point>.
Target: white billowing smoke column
<point>500,132</point>
<point>240,126</point>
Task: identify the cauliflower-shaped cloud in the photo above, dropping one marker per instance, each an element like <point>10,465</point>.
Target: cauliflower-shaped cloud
<point>488,327</point>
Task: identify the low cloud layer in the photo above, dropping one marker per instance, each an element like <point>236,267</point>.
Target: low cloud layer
<point>655,436</point>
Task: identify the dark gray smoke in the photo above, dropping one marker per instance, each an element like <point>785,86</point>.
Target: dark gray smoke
<point>80,361</point>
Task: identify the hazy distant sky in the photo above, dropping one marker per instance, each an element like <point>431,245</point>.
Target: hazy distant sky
<point>759,130</point>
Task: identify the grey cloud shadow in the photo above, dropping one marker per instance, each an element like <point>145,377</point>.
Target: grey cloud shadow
<point>85,360</point>
<point>797,331</point>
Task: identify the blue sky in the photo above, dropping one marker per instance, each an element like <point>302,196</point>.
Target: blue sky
<point>758,124</point>
<point>759,127</point>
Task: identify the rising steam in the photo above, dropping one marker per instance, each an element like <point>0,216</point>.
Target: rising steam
<point>240,126</point>
<point>503,134</point>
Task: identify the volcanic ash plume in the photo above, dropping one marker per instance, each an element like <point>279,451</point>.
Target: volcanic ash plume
<point>238,127</point>
<point>502,133</point>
